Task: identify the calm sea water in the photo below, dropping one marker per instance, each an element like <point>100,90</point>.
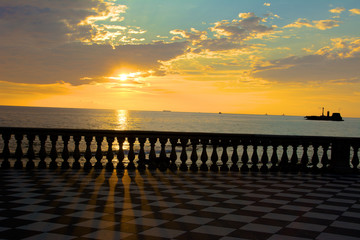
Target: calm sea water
<point>174,121</point>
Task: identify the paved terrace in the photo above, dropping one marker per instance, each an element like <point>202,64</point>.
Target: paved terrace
<point>99,204</point>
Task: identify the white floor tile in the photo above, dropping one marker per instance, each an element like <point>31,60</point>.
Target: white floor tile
<point>238,218</point>
<point>147,221</point>
<point>95,223</point>
<point>42,226</point>
<point>162,232</point>
<point>213,230</point>
<point>107,234</point>
<point>194,220</point>
<point>307,226</point>
<point>260,228</point>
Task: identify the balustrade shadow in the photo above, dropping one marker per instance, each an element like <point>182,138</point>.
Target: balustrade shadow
<point>175,151</point>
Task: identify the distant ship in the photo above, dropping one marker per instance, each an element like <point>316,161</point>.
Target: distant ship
<point>333,117</point>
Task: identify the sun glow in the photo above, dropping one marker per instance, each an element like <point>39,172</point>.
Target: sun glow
<point>123,77</point>
<point>122,119</point>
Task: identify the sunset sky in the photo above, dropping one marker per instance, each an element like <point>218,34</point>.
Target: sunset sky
<point>238,56</point>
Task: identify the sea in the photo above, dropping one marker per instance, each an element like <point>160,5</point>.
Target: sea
<point>35,117</point>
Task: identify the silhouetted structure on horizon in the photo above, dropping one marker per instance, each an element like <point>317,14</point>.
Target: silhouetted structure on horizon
<point>333,117</point>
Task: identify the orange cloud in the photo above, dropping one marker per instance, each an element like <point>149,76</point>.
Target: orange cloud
<point>321,24</point>
<point>337,10</point>
<point>355,11</point>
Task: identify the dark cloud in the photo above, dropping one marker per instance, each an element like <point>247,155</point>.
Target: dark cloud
<point>47,41</point>
<point>228,35</point>
<point>71,62</point>
<point>45,23</point>
<point>220,44</point>
<point>310,68</point>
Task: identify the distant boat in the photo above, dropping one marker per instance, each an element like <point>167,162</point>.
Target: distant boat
<point>333,117</point>
<point>166,110</point>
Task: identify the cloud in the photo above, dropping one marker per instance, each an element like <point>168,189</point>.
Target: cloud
<point>355,11</point>
<point>24,94</point>
<point>320,24</point>
<point>47,23</point>
<point>301,22</point>
<point>326,24</point>
<point>337,10</point>
<point>341,48</point>
<point>70,62</point>
<point>48,41</point>
<point>225,35</point>
<point>194,36</point>
<point>335,63</point>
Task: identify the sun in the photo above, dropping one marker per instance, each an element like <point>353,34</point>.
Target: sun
<point>127,78</point>
<point>123,77</point>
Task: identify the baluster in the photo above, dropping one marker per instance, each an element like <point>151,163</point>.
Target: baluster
<point>274,158</point>
<point>315,159</point>
<point>120,156</point>
<point>204,156</point>
<point>6,151</point>
<point>110,154</point>
<point>173,155</point>
<point>152,155</point>
<point>98,154</point>
<point>355,160</point>
<point>30,153</point>
<point>42,153</point>
<point>88,154</point>
<point>324,158</point>
<point>235,157</point>
<point>245,158</point>
<point>264,159</point>
<point>224,156</point>
<point>141,162</point>
<point>183,155</point>
<point>131,154</point>
<point>18,151</point>
<point>214,156</point>
<point>255,159</point>
<point>76,155</point>
<point>53,152</point>
<point>194,156</point>
<point>164,161</point>
<point>284,161</point>
<point>65,153</point>
<point>304,159</point>
<point>294,166</point>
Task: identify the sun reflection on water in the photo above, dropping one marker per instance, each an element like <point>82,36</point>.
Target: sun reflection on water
<point>122,124</point>
<point>122,120</point>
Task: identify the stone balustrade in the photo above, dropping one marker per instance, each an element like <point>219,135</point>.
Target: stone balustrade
<point>176,151</point>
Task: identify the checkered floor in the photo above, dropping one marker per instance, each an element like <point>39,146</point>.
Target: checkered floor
<point>44,204</point>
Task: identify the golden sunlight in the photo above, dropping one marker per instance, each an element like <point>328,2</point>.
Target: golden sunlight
<point>123,77</point>
<point>122,124</point>
<point>132,76</point>
<point>122,119</point>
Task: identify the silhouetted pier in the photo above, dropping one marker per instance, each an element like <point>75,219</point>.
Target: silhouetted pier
<point>176,151</point>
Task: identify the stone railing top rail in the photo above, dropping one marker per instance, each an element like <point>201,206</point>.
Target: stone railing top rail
<point>169,134</point>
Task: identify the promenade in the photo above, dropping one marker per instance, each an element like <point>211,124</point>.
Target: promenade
<point>99,204</point>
